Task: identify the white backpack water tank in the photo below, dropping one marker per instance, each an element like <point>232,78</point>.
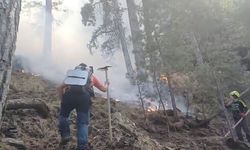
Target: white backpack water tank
<point>77,77</point>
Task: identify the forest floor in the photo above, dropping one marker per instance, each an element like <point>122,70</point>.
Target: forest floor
<point>27,129</point>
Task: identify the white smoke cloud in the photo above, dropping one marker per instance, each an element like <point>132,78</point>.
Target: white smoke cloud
<point>69,42</point>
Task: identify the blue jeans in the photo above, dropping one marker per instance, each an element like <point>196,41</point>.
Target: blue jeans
<point>80,102</point>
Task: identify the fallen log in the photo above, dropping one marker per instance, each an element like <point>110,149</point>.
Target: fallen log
<point>36,104</point>
<point>200,123</point>
<point>14,142</point>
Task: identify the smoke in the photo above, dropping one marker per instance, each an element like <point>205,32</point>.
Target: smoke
<point>69,40</point>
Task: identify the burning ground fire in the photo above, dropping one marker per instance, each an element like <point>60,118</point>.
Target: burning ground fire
<point>152,109</point>
<point>151,106</point>
<point>163,78</point>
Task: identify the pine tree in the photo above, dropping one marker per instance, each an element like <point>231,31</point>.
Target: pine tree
<point>111,27</point>
<point>9,20</point>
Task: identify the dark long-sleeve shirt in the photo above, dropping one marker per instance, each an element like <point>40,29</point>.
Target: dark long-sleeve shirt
<point>237,108</point>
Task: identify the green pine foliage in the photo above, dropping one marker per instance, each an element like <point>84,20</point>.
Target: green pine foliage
<point>199,39</point>
<point>170,48</point>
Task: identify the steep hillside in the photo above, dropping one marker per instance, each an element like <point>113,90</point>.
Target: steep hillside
<point>31,130</point>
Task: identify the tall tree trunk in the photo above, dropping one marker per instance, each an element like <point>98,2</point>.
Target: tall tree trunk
<point>147,24</point>
<point>9,20</point>
<point>203,109</point>
<point>118,24</point>
<point>187,95</point>
<point>47,42</point>
<point>197,50</point>
<point>140,95</point>
<point>136,34</point>
<point>171,91</point>
<point>157,86</point>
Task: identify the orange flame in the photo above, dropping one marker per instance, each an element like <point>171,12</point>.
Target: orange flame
<point>163,78</point>
<point>152,109</point>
